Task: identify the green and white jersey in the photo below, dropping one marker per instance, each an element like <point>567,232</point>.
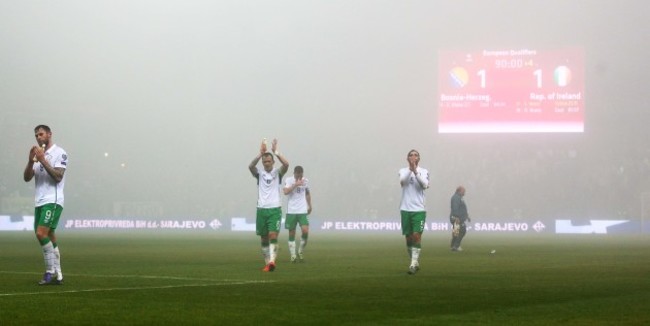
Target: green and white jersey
<point>268,185</point>
<point>412,192</point>
<point>297,199</point>
<point>49,191</point>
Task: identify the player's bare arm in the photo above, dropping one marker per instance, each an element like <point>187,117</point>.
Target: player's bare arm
<point>36,154</point>
<point>263,148</point>
<point>55,173</point>
<point>253,166</point>
<point>28,175</point>
<point>308,197</point>
<point>29,168</point>
<point>285,164</point>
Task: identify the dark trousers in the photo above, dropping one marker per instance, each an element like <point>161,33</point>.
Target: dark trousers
<point>456,238</point>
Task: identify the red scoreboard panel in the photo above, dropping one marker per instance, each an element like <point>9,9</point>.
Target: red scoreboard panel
<point>511,90</point>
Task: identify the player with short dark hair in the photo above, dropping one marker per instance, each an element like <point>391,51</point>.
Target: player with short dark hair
<point>269,203</point>
<point>297,189</point>
<point>413,180</point>
<point>47,163</point>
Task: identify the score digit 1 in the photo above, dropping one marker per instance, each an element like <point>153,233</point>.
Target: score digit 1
<point>538,75</point>
<point>481,73</point>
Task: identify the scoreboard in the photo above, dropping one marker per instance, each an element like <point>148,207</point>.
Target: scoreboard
<point>511,90</point>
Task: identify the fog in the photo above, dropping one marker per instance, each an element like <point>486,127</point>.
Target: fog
<point>161,105</point>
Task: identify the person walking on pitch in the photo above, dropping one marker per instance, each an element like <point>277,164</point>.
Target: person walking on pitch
<point>458,218</point>
<point>414,180</point>
<point>47,163</point>
<point>298,209</point>
<point>269,204</point>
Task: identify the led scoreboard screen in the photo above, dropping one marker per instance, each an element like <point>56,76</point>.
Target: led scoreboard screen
<point>511,90</point>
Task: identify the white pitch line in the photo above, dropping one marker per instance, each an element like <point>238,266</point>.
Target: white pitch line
<point>131,288</point>
<point>131,276</point>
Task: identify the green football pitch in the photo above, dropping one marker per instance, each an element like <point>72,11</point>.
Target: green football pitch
<point>346,279</point>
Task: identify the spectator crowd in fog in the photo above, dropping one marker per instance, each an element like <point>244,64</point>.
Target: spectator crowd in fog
<point>523,181</point>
